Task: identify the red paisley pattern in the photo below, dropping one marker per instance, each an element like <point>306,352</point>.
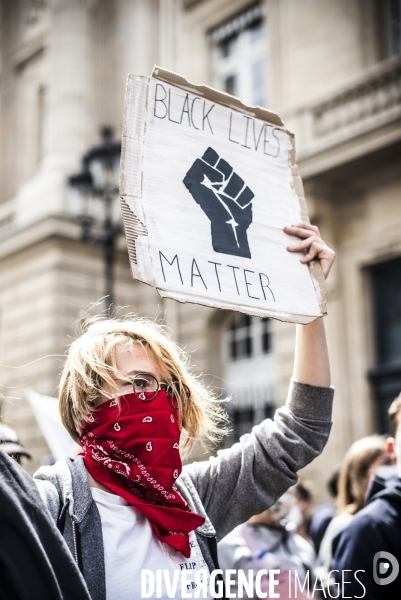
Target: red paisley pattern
<point>132,450</point>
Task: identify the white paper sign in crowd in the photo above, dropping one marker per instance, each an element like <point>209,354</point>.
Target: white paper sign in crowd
<point>207,185</point>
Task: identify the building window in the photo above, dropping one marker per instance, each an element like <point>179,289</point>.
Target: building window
<point>386,375</point>
<point>242,422</point>
<point>243,419</point>
<point>248,336</point>
<point>393,22</point>
<point>240,57</point>
<point>249,373</point>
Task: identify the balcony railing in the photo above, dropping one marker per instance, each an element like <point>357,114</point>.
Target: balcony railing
<point>368,102</point>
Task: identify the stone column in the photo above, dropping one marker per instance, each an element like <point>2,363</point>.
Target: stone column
<point>137,35</point>
<point>168,33</point>
<point>67,119</point>
<point>68,114</point>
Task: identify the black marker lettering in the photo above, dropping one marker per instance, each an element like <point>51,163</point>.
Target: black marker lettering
<point>260,133</point>
<point>266,285</point>
<point>186,103</point>
<point>192,112</point>
<point>159,85</point>
<point>247,283</point>
<point>194,264</point>
<point>235,277</point>
<point>229,130</point>
<point>246,131</point>
<point>217,273</point>
<point>206,116</point>
<point>171,264</point>
<point>169,107</point>
<point>272,152</point>
<point>278,141</point>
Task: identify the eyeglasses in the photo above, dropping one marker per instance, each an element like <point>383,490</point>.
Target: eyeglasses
<point>146,387</point>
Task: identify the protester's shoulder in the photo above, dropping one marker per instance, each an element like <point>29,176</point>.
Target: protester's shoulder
<point>380,513</point>
<point>57,474</point>
<point>377,519</point>
<point>61,477</point>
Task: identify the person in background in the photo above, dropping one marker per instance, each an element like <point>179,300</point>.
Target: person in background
<point>300,514</point>
<point>10,444</point>
<point>324,513</point>
<point>270,540</point>
<point>376,528</point>
<point>35,563</point>
<point>361,462</point>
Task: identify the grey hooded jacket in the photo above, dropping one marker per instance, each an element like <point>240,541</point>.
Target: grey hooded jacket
<point>226,489</point>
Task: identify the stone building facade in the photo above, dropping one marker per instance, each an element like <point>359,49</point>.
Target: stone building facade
<point>330,68</point>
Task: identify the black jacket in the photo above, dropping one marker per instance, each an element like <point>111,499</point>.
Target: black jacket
<point>376,528</point>
<point>35,563</point>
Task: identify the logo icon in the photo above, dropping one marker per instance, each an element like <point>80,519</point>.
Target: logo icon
<point>225,199</point>
<point>386,564</point>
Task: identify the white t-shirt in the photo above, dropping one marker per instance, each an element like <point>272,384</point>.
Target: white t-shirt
<point>130,546</point>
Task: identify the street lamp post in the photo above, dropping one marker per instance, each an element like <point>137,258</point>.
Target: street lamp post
<point>99,179</point>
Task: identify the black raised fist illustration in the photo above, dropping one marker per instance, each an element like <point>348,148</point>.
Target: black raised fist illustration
<point>225,199</point>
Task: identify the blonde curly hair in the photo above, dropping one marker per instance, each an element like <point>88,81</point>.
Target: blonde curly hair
<point>91,366</point>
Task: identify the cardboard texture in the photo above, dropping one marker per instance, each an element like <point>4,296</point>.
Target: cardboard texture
<point>207,185</point>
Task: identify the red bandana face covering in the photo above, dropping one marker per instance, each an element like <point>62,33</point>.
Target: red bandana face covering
<point>134,451</point>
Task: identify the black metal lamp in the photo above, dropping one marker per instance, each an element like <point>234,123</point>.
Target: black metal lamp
<point>98,180</point>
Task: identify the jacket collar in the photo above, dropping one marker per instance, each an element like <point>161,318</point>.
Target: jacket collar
<point>77,490</point>
<point>384,488</point>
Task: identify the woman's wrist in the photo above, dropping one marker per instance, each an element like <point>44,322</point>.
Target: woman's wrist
<point>311,364</point>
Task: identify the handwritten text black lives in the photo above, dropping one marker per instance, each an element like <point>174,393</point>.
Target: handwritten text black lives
<point>197,113</point>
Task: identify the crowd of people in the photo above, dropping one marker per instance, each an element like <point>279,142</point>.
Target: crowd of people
<point>343,534</point>
<point>90,527</point>
<point>361,517</point>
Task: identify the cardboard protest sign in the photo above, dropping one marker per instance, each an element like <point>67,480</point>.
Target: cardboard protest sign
<point>207,185</point>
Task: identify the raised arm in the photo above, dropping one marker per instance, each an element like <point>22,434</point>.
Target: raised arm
<point>249,477</point>
<point>311,363</point>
